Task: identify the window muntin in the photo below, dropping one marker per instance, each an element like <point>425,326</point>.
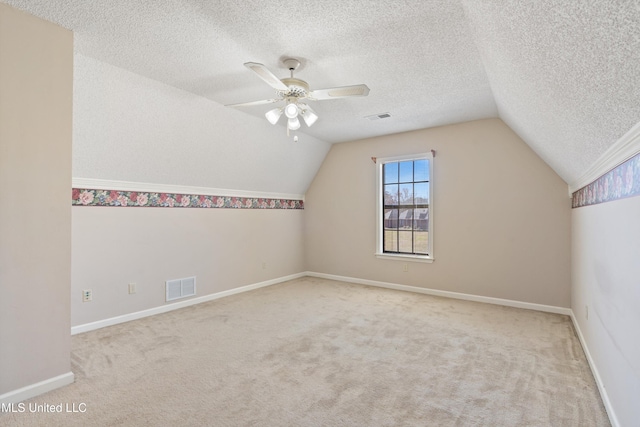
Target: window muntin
<point>404,195</point>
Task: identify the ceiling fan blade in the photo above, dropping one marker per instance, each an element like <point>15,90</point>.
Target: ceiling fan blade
<point>338,92</point>
<point>252,103</point>
<point>266,75</point>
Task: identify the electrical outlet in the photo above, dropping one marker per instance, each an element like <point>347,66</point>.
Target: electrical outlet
<point>405,267</point>
<point>87,295</point>
<point>132,288</point>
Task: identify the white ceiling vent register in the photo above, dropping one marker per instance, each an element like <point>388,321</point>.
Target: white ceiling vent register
<point>180,288</point>
<point>378,116</point>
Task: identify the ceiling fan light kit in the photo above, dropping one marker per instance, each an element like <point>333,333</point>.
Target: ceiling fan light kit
<point>273,115</point>
<point>308,115</point>
<point>292,91</point>
<point>293,124</point>
<point>291,110</point>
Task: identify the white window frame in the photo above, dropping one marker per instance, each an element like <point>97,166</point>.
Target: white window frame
<point>379,209</point>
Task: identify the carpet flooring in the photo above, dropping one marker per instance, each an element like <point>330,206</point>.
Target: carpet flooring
<point>316,352</point>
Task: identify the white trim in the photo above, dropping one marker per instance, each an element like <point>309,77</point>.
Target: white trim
<point>596,374</point>
<point>45,386</point>
<point>37,389</point>
<point>65,379</point>
<point>170,307</point>
<point>498,301</point>
<point>447,294</point>
<point>106,184</point>
<point>404,257</point>
<point>621,151</point>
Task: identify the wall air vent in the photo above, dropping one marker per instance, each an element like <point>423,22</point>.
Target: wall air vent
<point>378,116</point>
<point>180,288</point>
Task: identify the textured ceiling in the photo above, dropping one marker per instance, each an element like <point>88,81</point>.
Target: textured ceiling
<point>565,75</point>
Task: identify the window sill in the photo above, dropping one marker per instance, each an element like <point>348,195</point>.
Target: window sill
<point>410,258</point>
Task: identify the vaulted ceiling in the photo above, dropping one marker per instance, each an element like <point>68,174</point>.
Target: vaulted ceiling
<point>564,75</point>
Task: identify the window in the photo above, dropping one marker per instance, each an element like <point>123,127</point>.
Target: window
<point>404,226</point>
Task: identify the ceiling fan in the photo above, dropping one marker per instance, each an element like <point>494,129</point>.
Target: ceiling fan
<point>292,91</point>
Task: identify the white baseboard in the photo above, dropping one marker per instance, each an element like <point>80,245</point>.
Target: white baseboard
<point>596,374</point>
<point>499,301</point>
<point>36,389</point>
<point>170,307</point>
<point>447,294</point>
<point>44,386</point>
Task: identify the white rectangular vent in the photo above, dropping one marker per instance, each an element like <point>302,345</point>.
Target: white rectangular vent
<point>378,116</point>
<point>180,288</point>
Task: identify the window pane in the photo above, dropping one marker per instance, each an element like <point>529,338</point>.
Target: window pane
<point>391,194</point>
<point>390,219</point>
<point>405,219</point>
<point>390,171</point>
<point>406,171</point>
<point>421,170</point>
<point>421,219</point>
<point>405,243</point>
<point>421,242</point>
<point>406,194</point>
<point>421,193</point>
<point>390,241</point>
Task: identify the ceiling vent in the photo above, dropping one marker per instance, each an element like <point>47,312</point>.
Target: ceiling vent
<point>378,116</point>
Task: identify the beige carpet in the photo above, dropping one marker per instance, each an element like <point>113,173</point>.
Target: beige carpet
<point>314,352</point>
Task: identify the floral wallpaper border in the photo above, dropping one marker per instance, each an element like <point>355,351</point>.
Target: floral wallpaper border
<point>92,197</point>
<point>621,182</point>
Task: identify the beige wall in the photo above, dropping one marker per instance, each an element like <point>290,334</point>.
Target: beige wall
<point>501,215</point>
<point>606,278</point>
<point>36,71</point>
<point>223,248</point>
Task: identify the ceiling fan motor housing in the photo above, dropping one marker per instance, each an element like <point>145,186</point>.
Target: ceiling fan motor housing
<point>297,88</point>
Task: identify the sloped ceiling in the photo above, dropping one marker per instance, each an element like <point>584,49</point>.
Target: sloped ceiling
<point>564,75</point>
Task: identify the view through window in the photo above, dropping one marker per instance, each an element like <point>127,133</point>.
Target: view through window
<point>406,207</point>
